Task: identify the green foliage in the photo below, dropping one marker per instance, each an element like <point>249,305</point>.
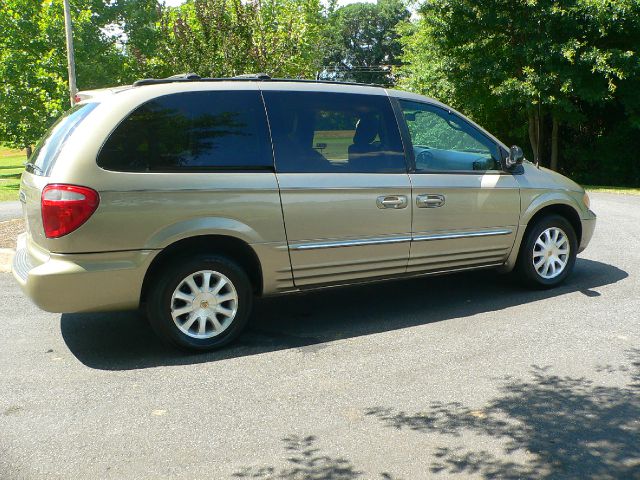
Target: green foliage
<point>512,62</point>
<point>33,64</point>
<point>134,26</point>
<point>31,92</point>
<point>119,41</point>
<point>360,38</point>
<point>231,37</point>
<point>563,76</point>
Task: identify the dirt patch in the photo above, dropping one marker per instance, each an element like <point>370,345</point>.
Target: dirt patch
<point>9,231</point>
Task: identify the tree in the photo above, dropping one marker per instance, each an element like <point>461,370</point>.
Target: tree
<point>542,63</point>
<point>31,94</point>
<point>33,62</point>
<point>134,26</point>
<point>360,42</point>
<point>230,37</point>
<point>118,41</point>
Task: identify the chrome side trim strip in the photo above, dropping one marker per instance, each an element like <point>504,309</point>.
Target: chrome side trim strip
<point>383,241</point>
<point>451,236</point>
<point>349,243</point>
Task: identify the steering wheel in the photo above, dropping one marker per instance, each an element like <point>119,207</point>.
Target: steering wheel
<point>423,159</point>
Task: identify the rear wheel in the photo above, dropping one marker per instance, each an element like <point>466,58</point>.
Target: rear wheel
<point>548,252</point>
<point>200,303</point>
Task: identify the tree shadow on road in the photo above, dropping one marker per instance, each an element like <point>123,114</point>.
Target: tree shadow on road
<point>567,427</point>
<point>305,461</point>
<point>121,341</point>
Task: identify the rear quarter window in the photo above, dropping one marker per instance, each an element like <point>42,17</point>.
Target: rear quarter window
<point>191,131</point>
<point>45,154</point>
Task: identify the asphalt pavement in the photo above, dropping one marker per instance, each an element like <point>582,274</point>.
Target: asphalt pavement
<point>10,210</point>
<point>460,376</point>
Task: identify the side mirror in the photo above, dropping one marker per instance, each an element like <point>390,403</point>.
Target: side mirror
<point>516,156</point>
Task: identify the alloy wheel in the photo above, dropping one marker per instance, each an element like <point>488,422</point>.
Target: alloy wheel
<point>204,304</point>
<point>551,253</point>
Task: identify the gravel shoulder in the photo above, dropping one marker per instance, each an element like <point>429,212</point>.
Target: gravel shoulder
<point>9,231</point>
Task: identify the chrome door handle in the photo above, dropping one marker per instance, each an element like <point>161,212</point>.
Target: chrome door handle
<point>392,201</point>
<point>430,200</point>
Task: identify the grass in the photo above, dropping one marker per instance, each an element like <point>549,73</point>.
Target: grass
<point>603,189</point>
<point>11,168</point>
<point>336,144</point>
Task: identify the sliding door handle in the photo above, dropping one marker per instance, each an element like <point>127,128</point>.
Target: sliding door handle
<point>430,200</point>
<point>392,201</point>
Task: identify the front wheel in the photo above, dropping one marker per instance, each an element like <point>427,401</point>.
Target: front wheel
<point>200,303</point>
<point>548,252</point>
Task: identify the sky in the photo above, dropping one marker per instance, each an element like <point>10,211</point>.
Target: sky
<point>173,3</point>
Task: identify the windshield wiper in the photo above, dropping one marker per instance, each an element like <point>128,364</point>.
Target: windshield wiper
<point>33,167</point>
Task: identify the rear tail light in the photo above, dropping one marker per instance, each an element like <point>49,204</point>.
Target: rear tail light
<point>66,207</point>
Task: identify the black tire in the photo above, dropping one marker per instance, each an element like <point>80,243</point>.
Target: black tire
<point>166,282</point>
<point>525,267</point>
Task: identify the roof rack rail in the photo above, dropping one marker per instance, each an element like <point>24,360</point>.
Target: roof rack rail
<point>252,76</point>
<point>181,77</point>
<point>185,76</point>
<point>329,82</point>
<point>262,77</point>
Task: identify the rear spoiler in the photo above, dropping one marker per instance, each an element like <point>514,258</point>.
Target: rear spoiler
<point>100,92</point>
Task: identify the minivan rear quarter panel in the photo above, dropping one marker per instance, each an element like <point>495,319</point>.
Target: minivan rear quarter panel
<point>151,210</point>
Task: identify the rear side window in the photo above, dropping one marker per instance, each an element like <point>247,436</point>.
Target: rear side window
<point>191,131</point>
<point>316,132</point>
<point>45,154</point>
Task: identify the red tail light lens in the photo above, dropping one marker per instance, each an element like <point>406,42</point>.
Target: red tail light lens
<point>66,207</point>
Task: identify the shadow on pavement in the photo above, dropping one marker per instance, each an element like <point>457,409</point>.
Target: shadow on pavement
<point>563,427</point>
<point>121,341</point>
<point>304,459</point>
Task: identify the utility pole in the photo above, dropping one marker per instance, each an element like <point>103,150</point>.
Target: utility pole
<point>71,61</point>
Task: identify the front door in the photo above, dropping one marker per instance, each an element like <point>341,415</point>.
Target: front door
<point>466,209</point>
<point>346,196</point>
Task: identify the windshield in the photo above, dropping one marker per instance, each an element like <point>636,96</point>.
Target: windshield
<point>46,152</point>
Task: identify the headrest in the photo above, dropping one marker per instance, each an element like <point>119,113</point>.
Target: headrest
<point>366,130</point>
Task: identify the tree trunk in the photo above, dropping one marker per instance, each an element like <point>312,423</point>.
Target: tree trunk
<point>541,151</point>
<point>554,145</point>
<point>533,134</point>
<point>28,149</point>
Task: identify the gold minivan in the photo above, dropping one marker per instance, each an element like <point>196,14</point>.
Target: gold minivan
<point>189,196</point>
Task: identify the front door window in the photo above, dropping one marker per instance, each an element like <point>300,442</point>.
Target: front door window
<point>442,141</point>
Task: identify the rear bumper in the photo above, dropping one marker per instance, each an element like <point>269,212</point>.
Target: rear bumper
<point>82,282</point>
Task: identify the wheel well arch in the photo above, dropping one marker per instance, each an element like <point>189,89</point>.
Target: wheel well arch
<point>232,247</point>
<point>561,209</point>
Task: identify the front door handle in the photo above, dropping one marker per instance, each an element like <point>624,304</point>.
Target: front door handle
<point>430,200</point>
<point>392,201</point>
